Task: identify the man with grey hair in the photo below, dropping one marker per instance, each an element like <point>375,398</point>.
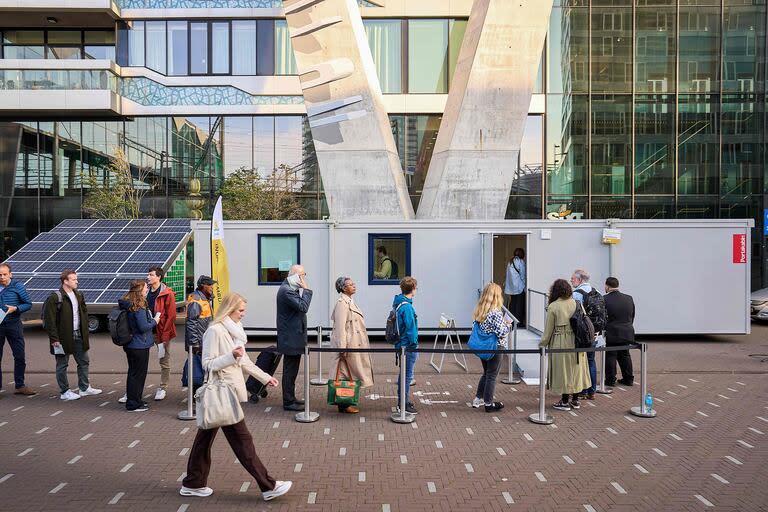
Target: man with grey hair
<point>293,299</point>
<point>582,293</point>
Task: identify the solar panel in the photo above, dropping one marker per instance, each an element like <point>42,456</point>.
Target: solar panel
<point>111,223</point>
<point>76,223</point>
<point>145,256</point>
<point>109,256</point>
<point>81,246</point>
<point>129,237</point>
<point>139,268</point>
<point>100,267</point>
<point>158,246</point>
<point>94,283</point>
<point>41,246</point>
<point>92,237</point>
<point>58,266</point>
<point>54,237</point>
<point>80,256</point>
<point>120,246</point>
<point>185,223</point>
<point>24,266</point>
<point>120,284</point>
<point>110,296</point>
<point>40,295</point>
<point>166,237</point>
<point>24,255</point>
<point>43,283</point>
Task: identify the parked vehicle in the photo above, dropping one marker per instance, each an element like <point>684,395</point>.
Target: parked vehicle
<point>758,308</point>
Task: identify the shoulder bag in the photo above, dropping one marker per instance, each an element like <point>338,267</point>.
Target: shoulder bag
<point>480,340</point>
<point>343,392</point>
<point>217,404</point>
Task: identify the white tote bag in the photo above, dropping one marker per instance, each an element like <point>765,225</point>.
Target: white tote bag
<point>217,404</point>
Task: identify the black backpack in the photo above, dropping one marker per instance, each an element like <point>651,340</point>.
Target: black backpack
<point>582,328</point>
<point>392,332</point>
<point>594,305</point>
<point>118,327</point>
<point>58,307</point>
<point>395,272</point>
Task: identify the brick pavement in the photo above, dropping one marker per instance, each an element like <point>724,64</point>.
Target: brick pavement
<point>453,458</point>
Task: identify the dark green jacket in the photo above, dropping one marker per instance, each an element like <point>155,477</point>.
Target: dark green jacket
<point>59,325</point>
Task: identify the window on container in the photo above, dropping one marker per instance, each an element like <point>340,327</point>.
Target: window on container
<point>136,43</point>
<point>428,56</point>
<point>285,63</point>
<point>156,46</point>
<point>220,48</point>
<point>177,48</point>
<point>277,254</point>
<point>198,48</point>
<point>389,258</point>
<point>244,47</point>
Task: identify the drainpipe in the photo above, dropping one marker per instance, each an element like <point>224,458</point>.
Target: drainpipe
<point>331,267</point>
<point>611,251</point>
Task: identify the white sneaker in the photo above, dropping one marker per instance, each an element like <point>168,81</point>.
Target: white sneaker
<point>202,492</point>
<point>90,391</point>
<point>70,395</point>
<point>477,402</point>
<point>123,399</point>
<point>160,394</point>
<point>280,489</point>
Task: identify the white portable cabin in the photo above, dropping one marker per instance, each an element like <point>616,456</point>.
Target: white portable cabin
<point>686,276</point>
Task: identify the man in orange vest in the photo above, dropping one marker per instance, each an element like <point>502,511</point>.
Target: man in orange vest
<point>199,313</point>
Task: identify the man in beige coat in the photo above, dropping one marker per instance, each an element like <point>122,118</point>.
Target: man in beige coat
<point>349,332</point>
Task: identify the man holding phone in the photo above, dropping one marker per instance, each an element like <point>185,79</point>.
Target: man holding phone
<point>293,299</point>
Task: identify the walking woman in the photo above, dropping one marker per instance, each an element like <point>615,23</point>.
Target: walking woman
<point>568,374</point>
<point>490,318</point>
<point>224,352</point>
<point>141,323</point>
<point>349,332</point>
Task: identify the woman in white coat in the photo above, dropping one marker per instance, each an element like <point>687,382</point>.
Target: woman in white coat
<point>224,352</point>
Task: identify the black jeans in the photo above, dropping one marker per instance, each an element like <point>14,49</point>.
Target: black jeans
<point>487,384</point>
<point>138,362</point>
<point>517,307</point>
<point>11,329</point>
<point>625,363</point>
<point>290,371</point>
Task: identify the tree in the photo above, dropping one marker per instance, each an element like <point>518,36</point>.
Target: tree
<point>248,196</point>
<point>117,194</point>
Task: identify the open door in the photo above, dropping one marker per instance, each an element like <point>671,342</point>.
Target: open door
<point>486,261</point>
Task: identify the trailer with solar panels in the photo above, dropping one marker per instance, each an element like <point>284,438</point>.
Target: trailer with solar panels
<point>106,254</point>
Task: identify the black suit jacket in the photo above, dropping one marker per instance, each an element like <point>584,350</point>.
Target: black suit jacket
<point>621,315</point>
<point>292,319</point>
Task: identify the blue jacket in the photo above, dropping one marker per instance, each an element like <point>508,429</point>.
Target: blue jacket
<point>15,295</point>
<point>407,322</point>
<point>141,324</point>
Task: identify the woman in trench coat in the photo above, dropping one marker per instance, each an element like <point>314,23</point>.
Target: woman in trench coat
<point>349,332</point>
<point>567,373</point>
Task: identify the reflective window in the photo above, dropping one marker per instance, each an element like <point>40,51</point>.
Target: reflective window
<point>611,207</point>
<point>698,144</point>
<point>654,144</point>
<point>742,165</point>
<point>385,41</point>
<point>428,56</point>
<point>238,144</point>
<point>198,50</point>
<point>611,147</point>
<point>699,49</point>
<point>744,48</point>
<point>289,147</point>
<point>58,44</point>
<point>655,49</point>
<point>244,47</point>
<point>136,44</point>
<point>265,42</point>
<point>156,46</point>
<point>566,147</point>
<point>220,48</point>
<point>264,144</point>
<point>177,48</point>
<point>285,63</point>
<point>612,50</point>
<point>389,258</point>
<point>277,254</point>
<point>456,30</point>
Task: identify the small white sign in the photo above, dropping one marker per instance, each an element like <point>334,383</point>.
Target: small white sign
<point>611,236</point>
<point>546,234</point>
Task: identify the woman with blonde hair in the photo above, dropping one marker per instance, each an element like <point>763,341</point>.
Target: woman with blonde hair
<point>224,352</point>
<point>490,319</point>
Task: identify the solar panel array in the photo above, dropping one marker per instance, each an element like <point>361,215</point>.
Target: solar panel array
<point>106,254</point>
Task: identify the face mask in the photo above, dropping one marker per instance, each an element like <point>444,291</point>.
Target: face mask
<point>293,280</point>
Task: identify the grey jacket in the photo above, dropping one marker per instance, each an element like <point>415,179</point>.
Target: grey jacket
<point>292,319</point>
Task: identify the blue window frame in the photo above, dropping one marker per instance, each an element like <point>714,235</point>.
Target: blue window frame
<point>277,253</point>
<point>389,258</point>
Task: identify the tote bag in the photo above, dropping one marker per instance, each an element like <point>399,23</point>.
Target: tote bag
<point>343,392</point>
<point>479,341</point>
<point>217,404</point>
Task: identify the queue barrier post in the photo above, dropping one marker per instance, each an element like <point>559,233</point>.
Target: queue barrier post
<point>512,358</point>
<point>189,413</point>
<point>307,416</point>
<point>643,411</point>
<point>403,416</point>
<point>319,381</point>
<point>601,388</point>
<point>541,417</point>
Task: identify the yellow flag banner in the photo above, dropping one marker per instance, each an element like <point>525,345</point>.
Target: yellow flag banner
<point>219,263</point>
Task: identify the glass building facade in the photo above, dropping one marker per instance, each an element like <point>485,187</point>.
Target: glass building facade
<point>647,109</point>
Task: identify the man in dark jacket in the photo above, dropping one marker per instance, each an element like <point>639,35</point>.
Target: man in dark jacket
<point>14,300</point>
<point>293,299</point>
<point>619,331</point>
<point>199,312</point>
<point>66,322</point>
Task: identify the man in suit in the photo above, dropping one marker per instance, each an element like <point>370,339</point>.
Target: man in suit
<point>619,331</point>
<point>293,299</point>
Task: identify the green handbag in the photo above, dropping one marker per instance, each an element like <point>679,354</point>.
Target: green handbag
<point>343,392</point>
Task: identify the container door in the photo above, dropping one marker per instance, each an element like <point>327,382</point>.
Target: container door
<point>486,261</point>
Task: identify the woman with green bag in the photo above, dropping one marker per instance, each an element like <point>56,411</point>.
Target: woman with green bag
<point>349,332</point>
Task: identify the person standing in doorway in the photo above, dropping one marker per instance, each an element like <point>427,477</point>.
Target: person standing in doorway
<point>66,322</point>
<point>620,330</point>
<point>514,285</point>
<point>293,300</point>
<point>161,299</point>
<point>14,300</point>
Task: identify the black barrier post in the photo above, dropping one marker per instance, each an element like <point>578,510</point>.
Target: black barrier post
<point>541,417</point>
<point>306,416</point>
<point>643,411</point>
<point>403,416</point>
<point>189,413</point>
<point>319,381</point>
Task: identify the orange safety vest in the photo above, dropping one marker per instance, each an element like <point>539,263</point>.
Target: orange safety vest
<point>205,306</point>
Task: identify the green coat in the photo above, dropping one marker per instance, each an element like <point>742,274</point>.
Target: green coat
<point>567,373</point>
<point>59,327</point>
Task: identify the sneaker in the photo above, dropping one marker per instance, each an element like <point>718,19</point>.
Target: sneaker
<point>123,399</point>
<point>90,391</point>
<point>202,492</point>
<point>413,382</point>
<point>562,406</point>
<point>477,402</point>
<point>69,395</point>
<point>590,396</point>
<point>409,408</point>
<point>142,408</point>
<point>160,394</point>
<point>280,489</point>
<point>575,404</point>
<point>493,407</point>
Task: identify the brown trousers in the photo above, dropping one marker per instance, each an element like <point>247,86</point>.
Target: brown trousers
<point>241,442</point>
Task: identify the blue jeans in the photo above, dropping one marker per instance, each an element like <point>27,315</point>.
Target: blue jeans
<point>410,362</point>
<point>12,329</point>
<point>592,373</point>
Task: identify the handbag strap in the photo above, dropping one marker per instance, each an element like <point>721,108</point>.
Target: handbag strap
<point>337,380</point>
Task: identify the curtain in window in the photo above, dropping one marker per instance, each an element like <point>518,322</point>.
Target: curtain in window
<point>385,43</point>
<point>136,44</point>
<point>220,47</point>
<point>285,63</point>
<point>244,47</point>
<point>156,46</point>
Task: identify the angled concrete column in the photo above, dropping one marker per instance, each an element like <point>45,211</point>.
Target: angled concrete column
<point>477,148</point>
<point>355,148</point>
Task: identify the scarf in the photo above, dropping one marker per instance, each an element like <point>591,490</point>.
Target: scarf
<point>236,331</point>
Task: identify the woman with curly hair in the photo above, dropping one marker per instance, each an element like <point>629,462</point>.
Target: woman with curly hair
<point>568,373</point>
